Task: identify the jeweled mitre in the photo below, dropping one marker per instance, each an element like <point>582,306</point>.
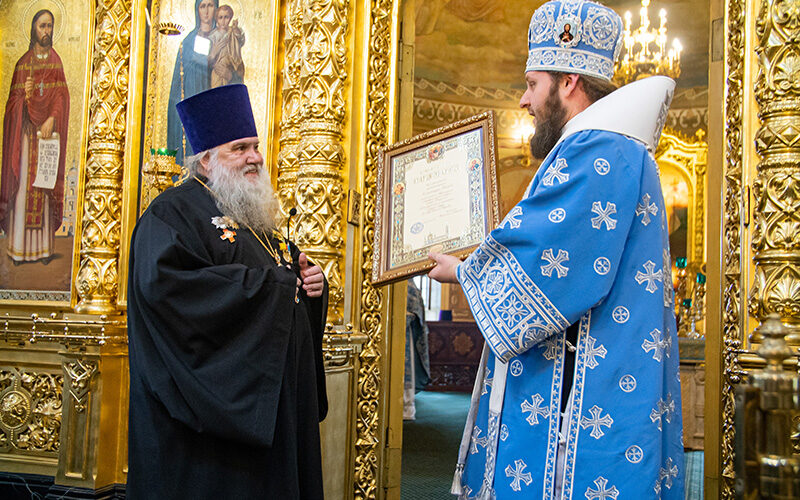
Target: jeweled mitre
<point>574,37</point>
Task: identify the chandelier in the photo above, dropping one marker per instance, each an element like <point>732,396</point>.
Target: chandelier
<point>645,51</point>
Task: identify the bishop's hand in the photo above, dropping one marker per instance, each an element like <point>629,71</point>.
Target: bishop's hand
<point>313,279</point>
<point>445,269</point>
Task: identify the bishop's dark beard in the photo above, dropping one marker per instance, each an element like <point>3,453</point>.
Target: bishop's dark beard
<point>549,124</point>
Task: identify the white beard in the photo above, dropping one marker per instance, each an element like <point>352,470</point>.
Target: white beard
<point>250,202</point>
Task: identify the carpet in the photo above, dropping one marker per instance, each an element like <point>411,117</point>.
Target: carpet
<point>430,449</point>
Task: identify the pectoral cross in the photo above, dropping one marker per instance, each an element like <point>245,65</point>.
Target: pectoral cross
<point>227,234</point>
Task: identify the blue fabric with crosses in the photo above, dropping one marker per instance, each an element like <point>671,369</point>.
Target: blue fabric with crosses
<point>588,244</point>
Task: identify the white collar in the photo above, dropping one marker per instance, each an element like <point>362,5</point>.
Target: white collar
<point>637,110</point>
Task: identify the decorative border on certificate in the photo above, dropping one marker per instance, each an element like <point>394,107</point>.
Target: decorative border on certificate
<point>436,191</point>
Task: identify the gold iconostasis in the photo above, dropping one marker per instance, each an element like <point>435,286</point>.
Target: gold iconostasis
<point>332,82</point>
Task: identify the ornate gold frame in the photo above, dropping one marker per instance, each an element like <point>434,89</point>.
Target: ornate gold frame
<point>381,273</point>
<point>690,158</point>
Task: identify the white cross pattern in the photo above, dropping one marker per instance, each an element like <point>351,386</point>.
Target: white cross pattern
<point>602,266</point>
<point>535,409</point>
<point>646,209</point>
<point>513,218</point>
<point>634,454</point>
<point>551,348</point>
<point>518,475</point>
<point>601,166</point>
<point>487,382</point>
<point>620,314</point>
<point>604,215</point>
<point>664,409</point>
<point>667,472</point>
<point>596,422</point>
<point>659,345</point>
<point>627,383</point>
<point>651,276</point>
<point>476,441</point>
<point>515,368</point>
<point>557,215</point>
<point>601,493</point>
<point>593,352</point>
<point>555,263</point>
<point>554,173</point>
<point>494,282</point>
<point>503,432</point>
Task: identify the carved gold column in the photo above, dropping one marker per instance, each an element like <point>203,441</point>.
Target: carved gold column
<point>776,189</point>
<point>290,110</point>
<point>96,281</point>
<point>370,379</point>
<point>732,230</point>
<point>320,155</point>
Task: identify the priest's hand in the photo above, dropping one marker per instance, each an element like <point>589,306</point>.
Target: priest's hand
<point>47,128</point>
<point>313,279</point>
<point>445,269</point>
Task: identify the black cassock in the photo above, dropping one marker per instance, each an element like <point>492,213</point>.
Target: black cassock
<point>227,385</point>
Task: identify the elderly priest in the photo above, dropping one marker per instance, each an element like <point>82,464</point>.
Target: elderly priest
<point>226,315</point>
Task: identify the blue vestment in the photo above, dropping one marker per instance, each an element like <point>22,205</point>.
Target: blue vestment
<point>587,244</point>
<point>196,78</point>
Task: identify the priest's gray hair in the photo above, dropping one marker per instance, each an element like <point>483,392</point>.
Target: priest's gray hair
<point>192,163</point>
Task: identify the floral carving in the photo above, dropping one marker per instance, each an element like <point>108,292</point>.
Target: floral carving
<point>30,411</point>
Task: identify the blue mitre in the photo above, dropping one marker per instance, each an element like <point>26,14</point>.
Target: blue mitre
<point>217,116</point>
<point>574,37</point>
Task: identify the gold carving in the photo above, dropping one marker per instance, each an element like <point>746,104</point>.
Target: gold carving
<point>96,281</point>
<point>732,237</point>
<point>320,191</point>
<point>311,155</point>
<point>80,373</point>
<point>369,373</point>
<point>15,408</point>
<point>30,411</point>
<point>353,207</point>
<point>290,108</point>
<point>776,189</point>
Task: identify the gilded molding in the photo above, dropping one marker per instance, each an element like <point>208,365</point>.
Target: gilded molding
<point>776,236</point>
<point>80,373</point>
<point>691,156</point>
<point>320,191</point>
<point>370,378</point>
<point>732,230</point>
<point>30,411</point>
<point>96,281</point>
<point>290,110</point>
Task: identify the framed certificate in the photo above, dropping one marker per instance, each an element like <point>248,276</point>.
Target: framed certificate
<point>436,192</point>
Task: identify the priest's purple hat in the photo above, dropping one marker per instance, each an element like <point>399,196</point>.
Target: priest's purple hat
<point>217,116</point>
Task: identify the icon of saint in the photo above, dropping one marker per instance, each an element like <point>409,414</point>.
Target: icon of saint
<point>566,35</point>
<point>35,128</point>
<point>191,74</point>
